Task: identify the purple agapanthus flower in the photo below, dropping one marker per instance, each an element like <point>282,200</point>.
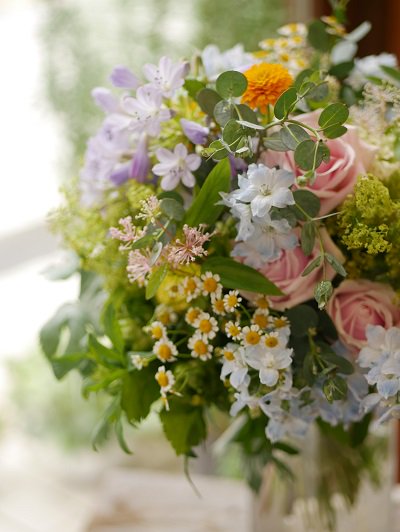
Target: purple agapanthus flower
<point>123,78</point>
<point>195,132</point>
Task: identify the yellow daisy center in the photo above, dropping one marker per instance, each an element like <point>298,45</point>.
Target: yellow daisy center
<point>232,300</point>
<point>262,302</point>
<point>164,318</point>
<point>252,337</point>
<point>219,305</point>
<point>162,379</point>
<point>192,315</point>
<point>200,347</point>
<point>210,285</point>
<point>157,332</point>
<point>266,82</point>
<point>190,286</point>
<point>261,320</point>
<point>164,352</point>
<point>229,355</point>
<point>205,326</point>
<point>271,341</point>
<point>233,330</point>
<point>280,322</point>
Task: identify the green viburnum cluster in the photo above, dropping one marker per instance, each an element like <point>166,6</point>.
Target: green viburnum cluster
<point>369,227</point>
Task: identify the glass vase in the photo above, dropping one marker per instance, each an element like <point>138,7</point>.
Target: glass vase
<point>334,489</point>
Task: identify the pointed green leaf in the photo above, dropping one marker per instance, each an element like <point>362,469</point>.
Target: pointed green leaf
<point>155,279</point>
<point>285,103</point>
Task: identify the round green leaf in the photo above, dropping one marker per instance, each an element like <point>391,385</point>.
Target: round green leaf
<point>285,103</point>
<point>336,113</point>
<point>223,112</point>
<point>292,135</point>
<point>208,99</point>
<point>231,84</point>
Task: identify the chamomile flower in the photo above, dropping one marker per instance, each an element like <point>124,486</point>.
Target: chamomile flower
<point>218,305</point>
<point>206,325</point>
<point>232,300</point>
<point>157,330</point>
<point>211,284</point>
<point>192,314</point>
<point>260,318</point>
<point>251,335</point>
<point>165,350</point>
<point>233,330</point>
<point>273,340</point>
<point>262,302</point>
<point>166,381</point>
<point>190,287</point>
<point>199,347</point>
<point>137,361</point>
<point>165,314</point>
<point>281,323</point>
<point>234,364</point>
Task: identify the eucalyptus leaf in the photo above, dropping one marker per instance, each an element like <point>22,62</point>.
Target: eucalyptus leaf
<point>302,318</point>
<point>335,131</point>
<point>336,265</point>
<point>308,202</point>
<point>315,263</point>
<point>285,103</point>
<point>155,280</point>
<point>308,234</point>
<point>310,154</point>
<point>322,293</point>
<point>207,100</point>
<point>274,142</point>
<point>231,84</point>
<point>335,113</point>
<point>223,112</point>
<point>292,135</point>
<point>172,208</point>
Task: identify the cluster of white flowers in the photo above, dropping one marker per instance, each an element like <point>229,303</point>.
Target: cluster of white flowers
<point>260,237</point>
<point>381,357</point>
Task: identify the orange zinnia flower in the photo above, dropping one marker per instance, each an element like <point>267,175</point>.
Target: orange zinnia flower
<point>266,82</point>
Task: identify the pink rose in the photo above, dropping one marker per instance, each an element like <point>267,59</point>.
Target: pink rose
<point>286,272</point>
<point>350,157</point>
<point>356,304</point>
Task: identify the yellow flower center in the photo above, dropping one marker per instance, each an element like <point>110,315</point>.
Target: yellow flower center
<point>253,337</point>
<point>233,330</point>
<point>164,352</point>
<point>192,315</point>
<point>205,326</point>
<point>190,285</point>
<point>210,285</point>
<point>262,302</point>
<point>280,322</point>
<point>271,341</point>
<point>157,332</point>
<point>266,82</point>
<point>162,379</point>
<point>164,318</point>
<point>232,300</point>
<point>229,355</point>
<point>200,347</point>
<point>261,320</point>
<point>219,305</point>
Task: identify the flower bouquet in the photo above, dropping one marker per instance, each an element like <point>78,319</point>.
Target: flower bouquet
<point>236,225</point>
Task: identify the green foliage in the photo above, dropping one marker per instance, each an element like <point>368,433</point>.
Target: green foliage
<point>204,209</point>
<point>207,100</point>
<point>302,318</point>
<point>155,279</point>
<point>285,103</point>
<point>310,154</point>
<point>322,293</point>
<point>231,84</point>
<point>184,425</point>
<point>233,274</point>
<point>306,202</point>
<point>308,234</point>
<point>318,36</point>
<point>139,391</point>
<point>292,135</point>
